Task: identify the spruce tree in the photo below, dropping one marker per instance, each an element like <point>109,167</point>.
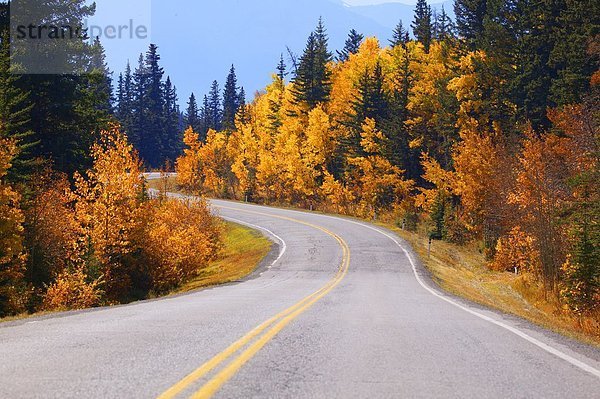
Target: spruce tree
<point>281,69</point>
<point>14,115</point>
<point>100,79</point>
<point>371,102</point>
<point>152,150</point>
<point>394,126</point>
<point>205,118</point>
<point>138,132</point>
<point>422,25</point>
<point>124,110</point>
<point>470,16</point>
<point>230,101</point>
<point>443,26</point>
<point>400,36</point>
<point>173,135</point>
<point>214,110</point>
<point>312,84</point>
<point>192,115</point>
<point>351,46</point>
<point>242,113</point>
<point>95,98</point>
<point>59,115</point>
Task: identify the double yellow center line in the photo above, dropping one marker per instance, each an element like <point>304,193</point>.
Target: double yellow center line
<point>256,339</point>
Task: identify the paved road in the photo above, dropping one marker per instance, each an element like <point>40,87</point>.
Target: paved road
<point>339,310</point>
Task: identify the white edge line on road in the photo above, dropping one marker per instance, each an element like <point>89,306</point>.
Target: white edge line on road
<point>575,362</point>
<point>281,240</point>
<point>529,338</point>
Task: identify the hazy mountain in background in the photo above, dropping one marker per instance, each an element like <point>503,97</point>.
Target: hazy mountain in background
<point>199,40</point>
<point>388,14</point>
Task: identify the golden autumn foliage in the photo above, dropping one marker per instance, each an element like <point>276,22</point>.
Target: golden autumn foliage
<point>181,238</point>
<point>108,208</point>
<point>336,196</point>
<point>483,178</point>
<point>374,181</point>
<point>516,252</point>
<point>12,259</point>
<point>72,290</point>
<point>188,166</point>
<point>540,193</point>
<point>107,242</point>
<point>53,234</point>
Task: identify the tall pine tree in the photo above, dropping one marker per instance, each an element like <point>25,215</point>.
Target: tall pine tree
<point>137,134</point>
<point>351,46</point>
<point>470,15</point>
<point>172,137</point>
<point>205,118</point>
<point>192,115</point>
<point>312,83</point>
<point>400,36</point>
<point>443,26</point>
<point>422,25</point>
<point>281,69</point>
<point>230,101</point>
<point>124,110</point>
<point>214,110</point>
<point>14,109</point>
<point>151,148</point>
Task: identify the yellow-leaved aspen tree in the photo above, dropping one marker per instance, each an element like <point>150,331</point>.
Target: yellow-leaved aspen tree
<point>11,238</point>
<point>108,206</point>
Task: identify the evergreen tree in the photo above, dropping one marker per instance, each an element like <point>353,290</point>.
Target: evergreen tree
<point>192,115</point>
<point>576,25</point>
<point>371,102</point>
<point>422,25</point>
<point>60,116</point>
<point>14,112</point>
<point>214,110</point>
<point>120,94</point>
<point>281,69</point>
<point>95,95</point>
<point>470,15</point>
<point>352,45</point>
<point>138,131</point>
<point>205,118</point>
<point>242,111</point>
<point>394,127</point>
<point>173,134</point>
<point>230,101</point>
<point>312,83</point>
<point>400,36</point>
<point>124,111</point>
<point>443,26</point>
<point>151,149</point>
<point>100,79</point>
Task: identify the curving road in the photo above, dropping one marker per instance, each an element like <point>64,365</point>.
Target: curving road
<point>340,309</point>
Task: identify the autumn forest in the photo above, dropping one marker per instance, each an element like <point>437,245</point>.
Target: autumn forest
<point>484,129</point>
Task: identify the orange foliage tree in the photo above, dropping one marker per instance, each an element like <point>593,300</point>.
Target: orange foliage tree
<point>12,289</point>
<point>108,207</point>
<point>188,166</point>
<point>180,239</point>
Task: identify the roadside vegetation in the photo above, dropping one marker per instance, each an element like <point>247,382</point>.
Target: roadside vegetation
<point>463,271</point>
<point>106,242</point>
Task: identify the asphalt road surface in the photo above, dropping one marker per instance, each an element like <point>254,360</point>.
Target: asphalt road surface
<point>340,309</point>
